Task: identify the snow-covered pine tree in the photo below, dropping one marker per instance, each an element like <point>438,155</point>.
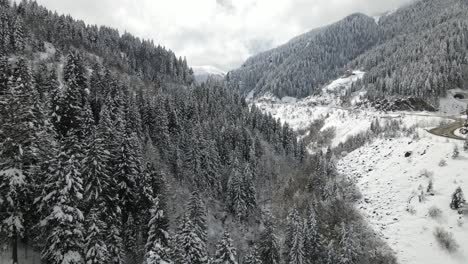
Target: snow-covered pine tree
<point>312,239</point>
<point>63,221</point>
<point>268,244</point>
<point>68,109</point>
<point>253,257</point>
<point>126,171</point>
<point>130,237</point>
<point>95,247</point>
<point>236,196</point>
<point>19,152</point>
<point>14,195</point>
<point>158,234</point>
<point>18,41</point>
<point>293,245</point>
<point>114,240</point>
<point>225,251</point>
<point>296,252</point>
<point>95,169</point>
<point>190,248</point>
<point>197,213</point>
<point>248,186</point>
<point>348,247</point>
<point>160,130</point>
<point>210,167</point>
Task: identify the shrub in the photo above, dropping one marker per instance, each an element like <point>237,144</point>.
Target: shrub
<point>442,163</point>
<point>435,212</point>
<point>430,187</point>
<point>446,240</point>
<point>427,174</point>
<point>456,152</point>
<point>458,199</point>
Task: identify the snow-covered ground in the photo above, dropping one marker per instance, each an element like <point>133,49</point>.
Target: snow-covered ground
<point>346,121</point>
<point>388,179</point>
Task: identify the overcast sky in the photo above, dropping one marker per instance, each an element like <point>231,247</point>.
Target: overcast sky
<point>222,33</point>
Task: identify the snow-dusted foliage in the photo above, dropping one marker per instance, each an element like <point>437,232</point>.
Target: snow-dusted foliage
<point>225,251</point>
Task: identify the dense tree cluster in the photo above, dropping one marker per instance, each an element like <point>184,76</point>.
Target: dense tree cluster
<point>421,50</point>
<point>424,51</point>
<point>28,25</point>
<point>102,162</point>
<point>299,67</point>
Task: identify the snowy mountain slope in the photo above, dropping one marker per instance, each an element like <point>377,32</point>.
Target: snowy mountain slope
<point>387,180</point>
<point>388,47</point>
<point>345,121</point>
<point>202,73</point>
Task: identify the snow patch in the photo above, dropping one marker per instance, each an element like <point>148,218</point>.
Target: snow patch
<point>388,180</point>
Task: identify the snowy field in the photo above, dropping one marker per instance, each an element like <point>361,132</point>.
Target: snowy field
<point>388,180</point>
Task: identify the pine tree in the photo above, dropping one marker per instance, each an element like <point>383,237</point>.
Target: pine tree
<point>130,236</point>
<point>63,222</point>
<point>19,154</point>
<point>296,253</point>
<point>14,195</point>
<point>18,41</point>
<point>190,247</point>
<point>197,213</point>
<point>348,248</point>
<point>95,246</point>
<point>249,189</point>
<point>225,251</point>
<point>253,256</point>
<point>236,195</point>
<point>293,246</point>
<point>312,239</point>
<point>114,240</point>
<point>458,199</point>
<point>158,235</point>
<point>95,169</point>
<point>268,244</point>
<point>126,172</point>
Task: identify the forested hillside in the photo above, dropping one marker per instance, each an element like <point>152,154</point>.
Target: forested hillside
<point>420,51</point>
<point>299,67</point>
<point>109,153</point>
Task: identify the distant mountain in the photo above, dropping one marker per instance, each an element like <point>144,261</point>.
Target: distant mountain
<point>202,73</point>
<point>419,50</point>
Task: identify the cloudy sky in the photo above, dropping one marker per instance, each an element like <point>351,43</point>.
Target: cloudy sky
<point>221,33</point>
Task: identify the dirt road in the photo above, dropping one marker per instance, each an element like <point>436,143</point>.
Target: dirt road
<point>448,131</point>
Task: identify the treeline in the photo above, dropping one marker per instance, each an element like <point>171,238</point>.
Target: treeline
<point>26,25</point>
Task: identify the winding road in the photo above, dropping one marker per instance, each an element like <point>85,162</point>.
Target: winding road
<point>448,131</point>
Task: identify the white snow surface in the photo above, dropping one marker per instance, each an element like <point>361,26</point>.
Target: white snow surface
<point>207,70</point>
<point>387,180</point>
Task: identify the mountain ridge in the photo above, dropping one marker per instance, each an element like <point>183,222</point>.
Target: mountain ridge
<point>432,21</point>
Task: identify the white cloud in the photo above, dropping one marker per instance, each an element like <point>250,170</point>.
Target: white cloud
<point>222,33</point>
